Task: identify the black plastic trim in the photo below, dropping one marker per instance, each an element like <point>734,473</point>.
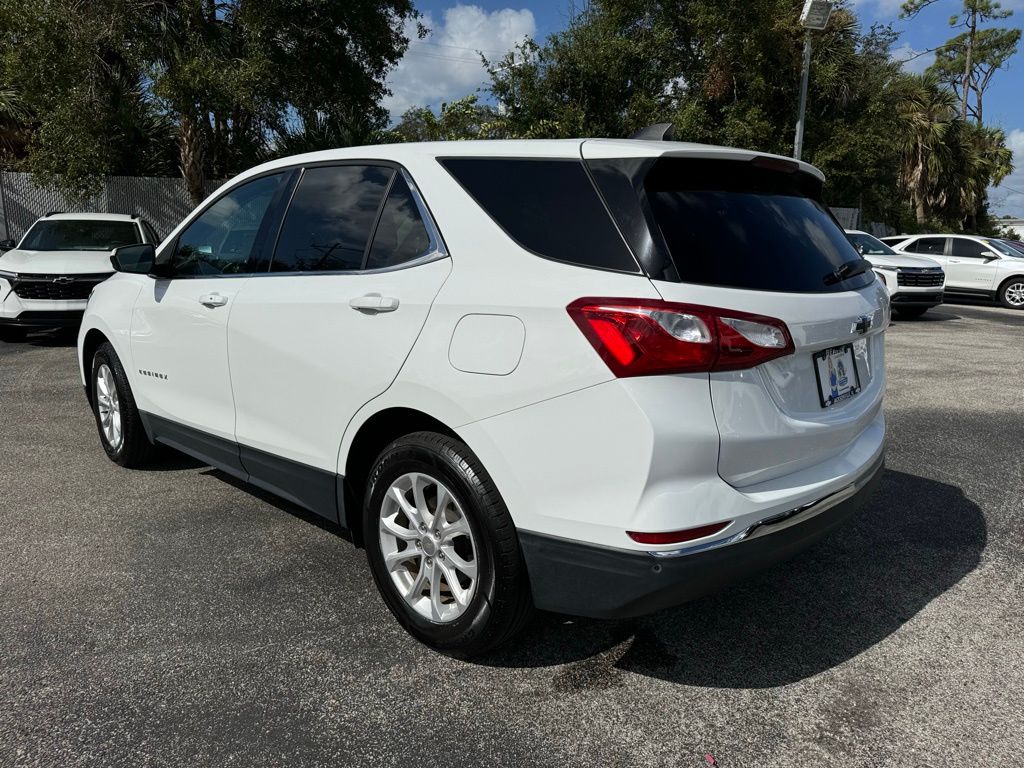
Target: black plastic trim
<point>314,489</point>
<point>44,319</point>
<point>599,582</point>
<point>309,487</point>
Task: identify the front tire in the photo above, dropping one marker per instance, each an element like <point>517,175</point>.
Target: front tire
<point>1011,293</point>
<point>121,431</point>
<point>442,546</point>
<point>12,335</point>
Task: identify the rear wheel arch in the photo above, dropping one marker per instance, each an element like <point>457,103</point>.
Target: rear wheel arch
<point>371,438</point>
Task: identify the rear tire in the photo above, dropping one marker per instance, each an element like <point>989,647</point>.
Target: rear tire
<point>121,431</point>
<point>908,313</point>
<point>429,496</point>
<point>1011,293</point>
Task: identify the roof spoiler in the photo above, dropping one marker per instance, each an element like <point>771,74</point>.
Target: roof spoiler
<point>52,213</point>
<point>656,132</point>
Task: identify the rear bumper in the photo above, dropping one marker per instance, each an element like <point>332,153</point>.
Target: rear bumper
<point>601,582</point>
<point>44,319</point>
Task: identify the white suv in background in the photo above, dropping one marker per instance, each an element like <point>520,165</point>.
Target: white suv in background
<point>979,267</point>
<point>46,279</point>
<point>597,377</point>
<point>914,282</point>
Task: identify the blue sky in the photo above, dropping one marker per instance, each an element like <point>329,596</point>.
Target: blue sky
<point>445,66</point>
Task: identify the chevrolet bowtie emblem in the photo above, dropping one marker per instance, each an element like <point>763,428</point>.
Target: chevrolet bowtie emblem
<point>862,324</point>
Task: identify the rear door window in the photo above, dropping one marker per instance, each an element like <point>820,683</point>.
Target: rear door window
<point>934,246</point>
<point>401,235</point>
<point>964,248</point>
<point>548,206</point>
<point>330,219</point>
<point>737,225</point>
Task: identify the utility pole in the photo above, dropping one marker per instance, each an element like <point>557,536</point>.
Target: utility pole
<point>813,17</point>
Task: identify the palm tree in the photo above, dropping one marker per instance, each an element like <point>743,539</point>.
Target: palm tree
<point>924,116</point>
<point>14,116</point>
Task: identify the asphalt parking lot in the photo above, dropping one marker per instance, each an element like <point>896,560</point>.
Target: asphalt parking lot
<point>174,617</point>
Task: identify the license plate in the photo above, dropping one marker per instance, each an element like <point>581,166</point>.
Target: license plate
<point>837,375</point>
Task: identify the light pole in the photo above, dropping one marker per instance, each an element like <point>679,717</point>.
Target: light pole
<point>813,17</point>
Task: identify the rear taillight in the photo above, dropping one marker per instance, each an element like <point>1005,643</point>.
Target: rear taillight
<point>642,337</point>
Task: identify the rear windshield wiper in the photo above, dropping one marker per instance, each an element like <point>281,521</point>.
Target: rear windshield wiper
<point>847,269</point>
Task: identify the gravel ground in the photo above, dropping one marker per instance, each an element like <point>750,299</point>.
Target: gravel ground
<point>174,617</point>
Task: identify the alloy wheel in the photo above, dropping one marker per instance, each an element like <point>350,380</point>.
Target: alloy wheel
<point>1014,294</point>
<point>428,547</point>
<point>108,405</point>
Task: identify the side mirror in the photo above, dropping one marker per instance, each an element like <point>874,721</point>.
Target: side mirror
<point>990,256</point>
<point>134,259</point>
<point>6,245</point>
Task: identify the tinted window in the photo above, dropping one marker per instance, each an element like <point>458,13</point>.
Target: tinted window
<point>869,245</point>
<point>549,207</point>
<point>331,218</point>
<point>401,235</point>
<point>80,235</point>
<point>734,224</point>
<point>967,248</point>
<point>933,245</point>
<point>223,240</point>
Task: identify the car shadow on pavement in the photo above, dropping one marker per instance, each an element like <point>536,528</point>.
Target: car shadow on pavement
<point>915,539</point>
<point>931,316</point>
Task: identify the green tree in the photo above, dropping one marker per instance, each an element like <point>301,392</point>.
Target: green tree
<point>207,86</point>
<point>465,118</point>
<point>972,57</point>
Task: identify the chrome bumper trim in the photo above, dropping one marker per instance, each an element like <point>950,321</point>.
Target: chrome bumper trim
<point>781,520</point>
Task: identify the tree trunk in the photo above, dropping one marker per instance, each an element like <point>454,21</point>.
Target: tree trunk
<point>190,146</point>
<point>922,214</point>
<point>973,28</point>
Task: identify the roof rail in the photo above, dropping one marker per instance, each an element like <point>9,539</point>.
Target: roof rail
<point>656,132</point>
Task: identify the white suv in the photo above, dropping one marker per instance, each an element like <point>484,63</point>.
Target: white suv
<point>914,282</point>
<point>979,267</point>
<point>46,279</point>
<point>596,377</point>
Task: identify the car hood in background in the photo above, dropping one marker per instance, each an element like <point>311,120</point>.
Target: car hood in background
<point>902,260</point>
<point>56,262</point>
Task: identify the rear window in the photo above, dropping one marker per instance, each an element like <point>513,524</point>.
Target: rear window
<point>734,224</point>
<point>80,235</point>
<point>549,207</point>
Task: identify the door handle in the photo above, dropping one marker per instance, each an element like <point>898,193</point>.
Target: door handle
<point>374,302</point>
<point>955,261</point>
<point>213,300</point>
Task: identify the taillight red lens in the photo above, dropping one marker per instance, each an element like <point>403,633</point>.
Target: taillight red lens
<point>643,337</point>
<point>677,537</point>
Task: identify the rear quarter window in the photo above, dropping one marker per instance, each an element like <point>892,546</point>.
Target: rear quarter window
<point>549,207</point>
<point>733,224</point>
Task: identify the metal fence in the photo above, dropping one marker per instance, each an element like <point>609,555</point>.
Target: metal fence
<point>162,201</point>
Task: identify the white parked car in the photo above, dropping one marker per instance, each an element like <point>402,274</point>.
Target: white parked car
<point>46,279</point>
<point>915,283</point>
<point>978,267</point>
<point>598,377</point>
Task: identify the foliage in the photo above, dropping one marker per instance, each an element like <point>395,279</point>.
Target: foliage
<point>967,62</point>
<point>465,118</point>
<point>207,86</point>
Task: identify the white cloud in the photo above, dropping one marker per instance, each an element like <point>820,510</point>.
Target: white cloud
<point>445,65</point>
<point>1004,198</point>
<point>912,59</point>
